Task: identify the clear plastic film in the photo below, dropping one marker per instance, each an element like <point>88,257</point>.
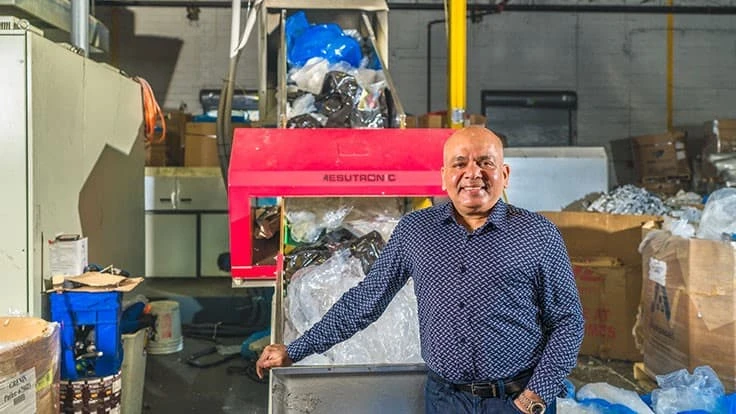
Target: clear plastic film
<point>311,217</point>
<point>719,216</point>
<point>393,338</point>
<point>680,391</point>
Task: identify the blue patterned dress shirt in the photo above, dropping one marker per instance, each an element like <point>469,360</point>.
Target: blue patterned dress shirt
<point>491,303</point>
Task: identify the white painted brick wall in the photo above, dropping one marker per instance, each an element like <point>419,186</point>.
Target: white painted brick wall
<point>616,63</point>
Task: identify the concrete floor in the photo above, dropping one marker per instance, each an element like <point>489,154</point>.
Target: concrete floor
<point>172,386</point>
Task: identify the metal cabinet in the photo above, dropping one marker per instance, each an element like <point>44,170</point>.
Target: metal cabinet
<point>214,239</point>
<point>186,222</point>
<point>171,245</point>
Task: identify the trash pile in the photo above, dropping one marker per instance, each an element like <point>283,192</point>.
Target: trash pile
<point>334,78</point>
<point>629,199</point>
<point>334,242</point>
<point>679,392</point>
<point>684,214</point>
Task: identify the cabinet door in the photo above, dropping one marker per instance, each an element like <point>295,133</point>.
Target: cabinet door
<point>215,239</point>
<point>171,245</point>
<point>201,193</point>
<point>160,193</point>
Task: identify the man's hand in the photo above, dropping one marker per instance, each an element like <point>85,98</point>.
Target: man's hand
<point>525,398</point>
<point>272,356</point>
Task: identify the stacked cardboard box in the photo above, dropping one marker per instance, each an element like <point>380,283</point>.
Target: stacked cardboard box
<point>661,161</point>
<point>200,144</point>
<point>29,365</point>
<point>169,152</point>
<point>687,306</point>
<point>439,120</point>
<point>607,266</point>
<point>720,135</point>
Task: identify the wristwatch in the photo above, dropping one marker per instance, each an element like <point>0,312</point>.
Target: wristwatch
<point>532,407</point>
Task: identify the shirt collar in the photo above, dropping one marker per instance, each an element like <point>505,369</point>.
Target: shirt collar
<point>497,218</point>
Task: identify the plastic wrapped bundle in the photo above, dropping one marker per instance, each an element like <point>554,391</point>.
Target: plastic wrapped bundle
<point>393,338</point>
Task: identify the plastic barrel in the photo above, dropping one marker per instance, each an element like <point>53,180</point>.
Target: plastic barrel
<point>91,395</point>
<point>167,339</point>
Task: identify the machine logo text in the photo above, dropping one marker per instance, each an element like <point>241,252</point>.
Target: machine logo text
<point>359,178</point>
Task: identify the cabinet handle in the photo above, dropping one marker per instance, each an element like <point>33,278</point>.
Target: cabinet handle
<point>186,200</point>
<point>165,199</point>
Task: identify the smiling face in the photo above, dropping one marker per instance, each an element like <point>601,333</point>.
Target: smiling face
<point>473,173</point>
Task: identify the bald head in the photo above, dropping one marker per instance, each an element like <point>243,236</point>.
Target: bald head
<point>473,172</point>
<point>474,134</point>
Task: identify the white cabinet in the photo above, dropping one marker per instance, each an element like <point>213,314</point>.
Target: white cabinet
<point>214,239</point>
<point>171,245</point>
<point>187,225</point>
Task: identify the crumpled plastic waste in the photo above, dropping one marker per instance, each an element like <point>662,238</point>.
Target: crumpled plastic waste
<point>614,395</point>
<point>719,216</point>
<point>592,406</point>
<point>305,41</point>
<point>310,120</point>
<point>681,391</point>
<point>337,98</point>
<point>629,199</point>
<point>393,338</point>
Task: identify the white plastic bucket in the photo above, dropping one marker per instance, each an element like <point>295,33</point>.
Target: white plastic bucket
<point>167,339</point>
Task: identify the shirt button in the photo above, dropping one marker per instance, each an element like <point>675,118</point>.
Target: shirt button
<point>461,305</point>
<point>463,340</point>
<point>463,269</point>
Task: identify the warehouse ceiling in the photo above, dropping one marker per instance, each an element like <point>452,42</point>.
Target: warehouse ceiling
<point>570,6</point>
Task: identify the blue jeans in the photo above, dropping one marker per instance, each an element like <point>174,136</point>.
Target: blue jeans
<point>442,398</point>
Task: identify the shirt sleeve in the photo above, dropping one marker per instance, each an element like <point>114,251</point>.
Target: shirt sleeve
<point>562,317</point>
<point>358,307</point>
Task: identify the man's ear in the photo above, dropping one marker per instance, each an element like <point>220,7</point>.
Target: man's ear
<point>442,178</point>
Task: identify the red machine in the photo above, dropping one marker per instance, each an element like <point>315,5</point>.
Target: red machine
<point>322,163</point>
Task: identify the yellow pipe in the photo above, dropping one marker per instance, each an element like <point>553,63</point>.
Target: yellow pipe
<point>457,63</point>
<point>670,66</point>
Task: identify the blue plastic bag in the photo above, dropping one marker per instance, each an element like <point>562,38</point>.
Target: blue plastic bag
<point>305,41</point>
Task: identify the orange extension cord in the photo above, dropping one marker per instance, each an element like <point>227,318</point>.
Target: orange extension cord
<point>151,113</point>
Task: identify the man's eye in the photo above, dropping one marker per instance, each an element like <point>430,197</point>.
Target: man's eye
<point>486,164</point>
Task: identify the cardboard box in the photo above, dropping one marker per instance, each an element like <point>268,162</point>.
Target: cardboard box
<point>170,151</point>
<point>662,155</point>
<point>720,135</point>
<point>412,121</point>
<point>29,365</point>
<point>666,186</point>
<point>176,122</point>
<point>432,120</point>
<point>94,282</point>
<point>156,155</point>
<point>200,147</point>
<point>475,119</point>
<point>67,255</point>
<point>687,314</point>
<point>607,266</point>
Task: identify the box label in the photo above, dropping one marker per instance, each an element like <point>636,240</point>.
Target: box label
<point>18,393</point>
<point>658,271</point>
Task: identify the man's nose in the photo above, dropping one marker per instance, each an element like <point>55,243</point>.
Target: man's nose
<point>472,170</point>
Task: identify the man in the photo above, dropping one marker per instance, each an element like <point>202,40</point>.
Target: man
<point>500,319</point>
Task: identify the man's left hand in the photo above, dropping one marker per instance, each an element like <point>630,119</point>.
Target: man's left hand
<point>525,398</point>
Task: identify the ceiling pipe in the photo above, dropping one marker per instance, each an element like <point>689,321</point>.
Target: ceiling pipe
<point>558,8</point>
<point>80,26</point>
